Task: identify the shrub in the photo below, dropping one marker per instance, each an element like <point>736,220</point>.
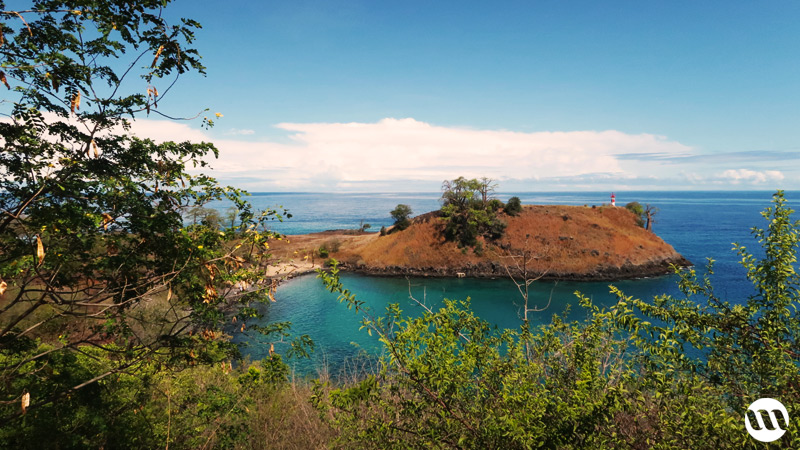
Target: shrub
<point>496,205</point>
<point>513,206</point>
<point>333,245</point>
<point>461,229</point>
<point>328,247</point>
<point>495,229</point>
<point>637,209</point>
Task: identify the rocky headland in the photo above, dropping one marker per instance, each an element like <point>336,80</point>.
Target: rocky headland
<point>556,242</point>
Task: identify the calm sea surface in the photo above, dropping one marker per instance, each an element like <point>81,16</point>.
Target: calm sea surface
<point>699,225</point>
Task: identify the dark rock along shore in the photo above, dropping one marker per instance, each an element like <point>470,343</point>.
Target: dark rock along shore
<point>492,270</point>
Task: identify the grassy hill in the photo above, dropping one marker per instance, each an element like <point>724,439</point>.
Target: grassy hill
<point>562,242</point>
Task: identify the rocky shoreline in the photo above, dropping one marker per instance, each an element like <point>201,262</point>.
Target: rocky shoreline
<point>493,270</point>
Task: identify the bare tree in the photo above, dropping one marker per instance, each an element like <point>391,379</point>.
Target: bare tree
<point>522,276</point>
<point>458,192</point>
<point>231,214</point>
<point>487,187</point>
<point>649,212</point>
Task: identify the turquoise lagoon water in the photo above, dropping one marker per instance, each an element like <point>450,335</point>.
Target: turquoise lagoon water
<point>699,225</point>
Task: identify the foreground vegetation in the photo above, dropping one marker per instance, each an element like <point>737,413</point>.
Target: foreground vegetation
<point>661,373</point>
<point>107,297</point>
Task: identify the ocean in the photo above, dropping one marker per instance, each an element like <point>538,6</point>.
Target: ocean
<point>699,225</point>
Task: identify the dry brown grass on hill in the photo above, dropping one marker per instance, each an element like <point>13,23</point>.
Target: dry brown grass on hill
<point>578,239</point>
<point>285,419</point>
<point>562,241</point>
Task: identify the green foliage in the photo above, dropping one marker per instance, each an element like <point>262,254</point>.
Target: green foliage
<point>637,209</point>
<point>401,215</point>
<point>147,407</point>
<point>450,379</point>
<point>644,214</point>
<point>496,205</point>
<point>100,275</point>
<point>667,373</point>
<point>513,206</point>
<point>750,347</point>
<point>468,211</point>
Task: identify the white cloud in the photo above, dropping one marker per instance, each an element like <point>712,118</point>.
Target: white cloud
<point>344,155</point>
<point>774,175</point>
<point>409,149</point>
<point>737,176</point>
<point>407,155</point>
<point>240,132</point>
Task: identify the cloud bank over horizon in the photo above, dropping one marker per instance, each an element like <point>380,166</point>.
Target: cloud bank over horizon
<point>410,155</point>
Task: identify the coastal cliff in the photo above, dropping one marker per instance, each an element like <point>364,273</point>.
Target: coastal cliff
<point>558,242</point>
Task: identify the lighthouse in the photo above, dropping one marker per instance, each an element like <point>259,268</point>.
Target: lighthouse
<point>613,200</point>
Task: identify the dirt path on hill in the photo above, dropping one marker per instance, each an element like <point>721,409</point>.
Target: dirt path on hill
<point>295,255</point>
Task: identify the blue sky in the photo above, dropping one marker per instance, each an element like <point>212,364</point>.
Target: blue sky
<point>551,95</point>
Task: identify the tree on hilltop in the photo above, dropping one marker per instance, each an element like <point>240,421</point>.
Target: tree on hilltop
<point>468,211</point>
<point>401,215</point>
<point>486,187</point>
<point>459,193</point>
<point>649,213</point>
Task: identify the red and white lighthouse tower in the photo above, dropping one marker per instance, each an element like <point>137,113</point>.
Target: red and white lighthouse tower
<point>613,199</point>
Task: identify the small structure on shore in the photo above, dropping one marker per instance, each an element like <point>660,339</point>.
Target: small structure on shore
<point>613,200</point>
